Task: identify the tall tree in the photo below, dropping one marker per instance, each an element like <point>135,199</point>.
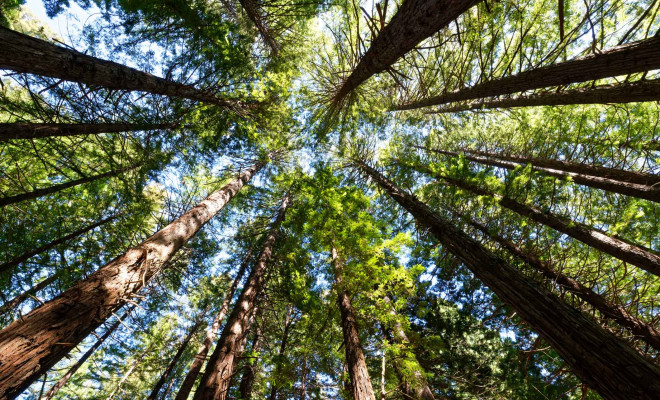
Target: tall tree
<point>253,11</point>
<point>249,371</point>
<point>20,130</point>
<point>288,322</point>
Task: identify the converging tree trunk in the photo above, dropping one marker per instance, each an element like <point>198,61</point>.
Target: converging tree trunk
<point>33,344</point>
<point>19,130</point>
<point>285,337</point>
<point>220,368</point>
<point>603,361</point>
<point>631,58</point>
<point>19,299</point>
<point>253,11</point>
<point>249,372</point>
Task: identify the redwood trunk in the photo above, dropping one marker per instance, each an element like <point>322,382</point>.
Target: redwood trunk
<point>603,361</point>
<point>220,368</point>
<point>253,11</point>
<point>18,130</point>
<point>285,336</point>
<point>19,299</point>
<point>631,58</point>
<point>247,380</point>
<point>32,345</point>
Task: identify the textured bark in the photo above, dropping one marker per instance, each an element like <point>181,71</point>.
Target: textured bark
<point>639,328</point>
<point>32,345</point>
<point>605,94</point>
<point>27,255</point>
<point>602,180</point>
<point>22,53</point>
<point>99,342</point>
<point>355,361</point>
<point>631,58</point>
<point>35,194</point>
<point>19,299</point>
<point>414,21</point>
<point>18,130</point>
<point>253,11</point>
<point>249,373</point>
<point>285,336</point>
<point>220,368</point>
<point>200,357</point>
<point>603,361</point>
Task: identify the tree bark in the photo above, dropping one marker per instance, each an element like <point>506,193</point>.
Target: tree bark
<point>604,94</point>
<point>247,380</point>
<point>220,368</point>
<point>35,194</point>
<point>631,58</point>
<point>602,180</point>
<point>22,53</point>
<point>7,266</point>
<point>200,357</point>
<point>19,299</point>
<point>19,130</point>
<point>603,361</point>
<point>32,345</point>
<point>414,21</point>
<point>285,336</point>
<point>253,11</point>
<point>355,361</point>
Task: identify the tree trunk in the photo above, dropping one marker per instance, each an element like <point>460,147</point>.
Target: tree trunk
<point>32,345</point>
<point>22,53</point>
<point>414,21</point>
<point>200,357</point>
<point>177,356</point>
<point>648,191</point>
<point>630,253</point>
<point>7,266</point>
<point>253,11</point>
<point>383,392</point>
<point>605,94</point>
<point>19,130</point>
<point>72,370</point>
<point>19,299</point>
<point>247,380</point>
<point>35,194</point>
<point>127,375</point>
<point>220,368</point>
<point>285,336</point>
<point>603,361</point>
<point>355,361</point>
<point>303,380</point>
<point>631,58</point>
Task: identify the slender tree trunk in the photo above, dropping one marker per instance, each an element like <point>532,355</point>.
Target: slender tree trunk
<point>285,336</point>
<point>72,370</point>
<point>19,299</point>
<point>414,21</point>
<point>22,53</point>
<point>355,361</point>
<point>605,94</point>
<point>32,345</point>
<point>642,191</point>
<point>220,368</point>
<point>9,265</point>
<point>127,375</point>
<point>177,356</point>
<point>253,11</point>
<point>631,58</point>
<point>303,380</point>
<point>603,361</point>
<point>630,253</point>
<point>18,130</point>
<point>249,373</point>
<point>35,194</point>
<point>383,392</point>
<point>200,357</point>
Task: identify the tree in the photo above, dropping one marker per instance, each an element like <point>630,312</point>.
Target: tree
<point>9,131</point>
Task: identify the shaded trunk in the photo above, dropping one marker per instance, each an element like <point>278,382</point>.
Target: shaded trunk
<point>605,94</point>
<point>72,370</point>
<point>603,361</point>
<point>18,300</point>
<point>19,130</point>
<point>602,181</point>
<point>303,380</point>
<point>32,345</point>
<point>200,357</point>
<point>253,11</point>
<point>22,53</point>
<point>249,373</point>
<point>414,21</point>
<point>220,368</point>
<point>7,266</point>
<point>355,361</point>
<point>35,194</point>
<point>285,336</point>
<point>631,58</point>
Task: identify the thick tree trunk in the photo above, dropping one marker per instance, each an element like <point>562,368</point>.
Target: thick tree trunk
<point>200,357</point>
<point>249,373</point>
<point>285,336</point>
<point>19,299</point>
<point>603,361</point>
<point>414,21</point>
<point>19,130</point>
<point>35,194</point>
<point>253,11</point>
<point>639,328</point>
<point>648,191</point>
<point>220,368</point>
<point>72,370</point>
<point>177,356</point>
<point>631,58</point>
<point>355,361</point>
<point>7,266</point>
<point>630,253</point>
<point>605,94</point>
<point>32,345</point>
<point>22,53</point>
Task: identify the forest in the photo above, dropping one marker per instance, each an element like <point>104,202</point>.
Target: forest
<point>330,199</point>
